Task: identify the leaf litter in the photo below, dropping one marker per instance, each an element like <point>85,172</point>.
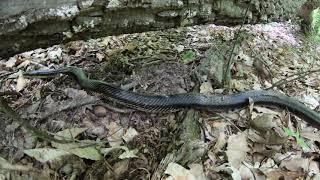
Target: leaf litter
<point>245,143</point>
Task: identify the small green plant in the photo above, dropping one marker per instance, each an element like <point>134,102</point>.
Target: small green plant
<point>188,56</point>
<point>315,24</point>
<point>299,140</point>
<point>290,50</point>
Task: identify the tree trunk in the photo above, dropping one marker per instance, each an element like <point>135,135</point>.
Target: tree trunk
<point>29,24</point>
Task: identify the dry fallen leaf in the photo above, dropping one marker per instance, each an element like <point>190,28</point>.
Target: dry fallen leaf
<point>5,165</point>
<point>267,164</point>
<point>179,48</point>
<point>47,154</point>
<point>24,64</point>
<point>245,172</point>
<point>314,167</point>
<point>129,154</point>
<point>237,149</point>
<point>235,174</point>
<point>125,155</point>
<point>118,169</point>
<point>263,123</point>
<point>11,62</point>
<point>130,134</point>
<point>70,133</point>
<point>105,42</point>
<point>268,130</point>
<point>206,88</point>
<point>75,93</point>
<point>100,56</point>
<point>197,171</point>
<point>296,164</point>
<point>90,152</point>
<point>262,70</point>
<point>238,85</point>
<point>115,134</point>
<point>220,143</point>
<point>21,83</point>
<point>84,149</point>
<point>310,100</point>
<point>50,105</point>
<point>285,175</point>
<point>310,133</point>
<point>178,172</point>
<point>55,54</point>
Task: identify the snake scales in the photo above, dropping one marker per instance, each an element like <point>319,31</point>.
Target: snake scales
<point>162,103</point>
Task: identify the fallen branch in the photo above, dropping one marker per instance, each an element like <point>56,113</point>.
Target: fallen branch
<point>287,79</point>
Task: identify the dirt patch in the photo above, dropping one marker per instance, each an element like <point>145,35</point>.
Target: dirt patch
<point>165,78</point>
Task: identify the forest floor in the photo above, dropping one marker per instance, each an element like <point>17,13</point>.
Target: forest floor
<point>111,141</point>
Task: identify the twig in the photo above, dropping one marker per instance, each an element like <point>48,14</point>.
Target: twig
<point>285,81</point>
<point>5,93</point>
<point>6,74</point>
<point>229,120</point>
<point>144,169</point>
<point>115,109</point>
<point>228,68</point>
<point>72,106</point>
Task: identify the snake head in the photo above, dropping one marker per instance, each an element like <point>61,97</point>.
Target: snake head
<point>75,72</point>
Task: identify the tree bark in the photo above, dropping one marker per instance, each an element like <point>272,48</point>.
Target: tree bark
<point>30,24</point>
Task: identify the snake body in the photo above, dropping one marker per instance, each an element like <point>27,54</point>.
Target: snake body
<point>162,103</point>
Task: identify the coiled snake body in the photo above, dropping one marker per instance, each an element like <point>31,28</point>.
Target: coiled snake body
<point>161,103</point>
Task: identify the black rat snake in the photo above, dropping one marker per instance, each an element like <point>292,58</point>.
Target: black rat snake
<point>162,103</point>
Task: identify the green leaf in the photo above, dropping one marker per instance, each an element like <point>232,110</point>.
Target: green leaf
<point>188,56</point>
<point>302,144</point>
<point>315,18</point>
<point>315,24</point>
<point>290,50</point>
<point>299,140</point>
<point>288,131</point>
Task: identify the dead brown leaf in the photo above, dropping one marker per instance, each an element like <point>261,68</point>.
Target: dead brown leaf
<point>11,62</point>
<point>285,175</point>
<point>237,149</point>
<point>21,83</point>
<point>296,164</point>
